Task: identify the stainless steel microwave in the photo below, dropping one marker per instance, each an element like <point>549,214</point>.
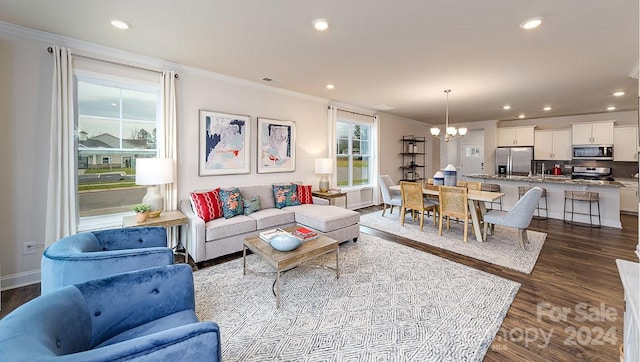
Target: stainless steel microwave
<point>592,152</point>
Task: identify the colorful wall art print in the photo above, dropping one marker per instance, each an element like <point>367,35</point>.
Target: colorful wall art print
<point>276,146</point>
<point>224,144</point>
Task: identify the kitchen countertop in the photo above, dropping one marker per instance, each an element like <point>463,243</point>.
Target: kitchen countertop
<point>548,178</point>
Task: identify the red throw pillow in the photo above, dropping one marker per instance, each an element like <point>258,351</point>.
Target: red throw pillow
<point>207,204</point>
<point>304,194</point>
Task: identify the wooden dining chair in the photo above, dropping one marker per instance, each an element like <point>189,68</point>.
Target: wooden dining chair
<point>453,203</point>
<point>413,199</point>
<point>470,185</point>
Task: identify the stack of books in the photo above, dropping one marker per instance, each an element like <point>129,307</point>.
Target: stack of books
<point>268,234</point>
<point>304,234</point>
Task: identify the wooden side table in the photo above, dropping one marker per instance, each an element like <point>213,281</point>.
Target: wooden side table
<point>168,219</point>
<point>331,196</point>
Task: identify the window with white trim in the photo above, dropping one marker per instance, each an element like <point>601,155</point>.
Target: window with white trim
<point>116,120</point>
<point>353,153</point>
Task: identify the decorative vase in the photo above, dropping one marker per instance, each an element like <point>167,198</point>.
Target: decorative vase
<point>450,175</point>
<point>141,216</point>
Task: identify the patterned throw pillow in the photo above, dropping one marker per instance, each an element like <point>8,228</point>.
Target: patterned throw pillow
<point>232,204</point>
<point>304,194</point>
<point>207,204</point>
<point>252,205</point>
<point>285,195</point>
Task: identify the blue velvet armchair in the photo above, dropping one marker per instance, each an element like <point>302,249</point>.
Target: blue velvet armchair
<point>145,315</point>
<point>91,255</point>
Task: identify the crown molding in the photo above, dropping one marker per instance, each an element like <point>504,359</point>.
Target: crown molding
<point>92,49</point>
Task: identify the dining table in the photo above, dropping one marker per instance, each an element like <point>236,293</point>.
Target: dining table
<point>475,198</point>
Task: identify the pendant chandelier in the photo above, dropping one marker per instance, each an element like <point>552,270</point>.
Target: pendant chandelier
<point>450,132</point>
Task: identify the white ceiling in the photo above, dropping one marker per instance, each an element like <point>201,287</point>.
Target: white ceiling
<point>401,54</point>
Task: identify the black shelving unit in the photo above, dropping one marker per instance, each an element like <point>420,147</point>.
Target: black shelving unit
<point>414,158</point>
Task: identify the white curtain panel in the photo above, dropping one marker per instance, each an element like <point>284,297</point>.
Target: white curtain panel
<point>375,166</point>
<point>61,212</point>
<point>169,149</point>
<point>331,143</point>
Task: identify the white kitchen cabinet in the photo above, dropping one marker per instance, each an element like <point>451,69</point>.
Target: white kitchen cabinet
<point>516,136</point>
<point>597,133</point>
<point>552,145</point>
<point>629,196</point>
<point>625,143</point>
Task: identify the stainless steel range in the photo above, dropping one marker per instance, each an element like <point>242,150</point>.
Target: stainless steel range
<point>592,173</point>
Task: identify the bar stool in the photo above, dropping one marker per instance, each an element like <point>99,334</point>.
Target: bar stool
<point>523,190</point>
<point>582,196</point>
<point>492,188</point>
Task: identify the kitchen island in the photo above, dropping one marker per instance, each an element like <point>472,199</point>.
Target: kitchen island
<point>609,192</point>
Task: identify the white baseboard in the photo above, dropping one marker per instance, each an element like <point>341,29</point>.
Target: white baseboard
<point>20,280</point>
<point>359,205</point>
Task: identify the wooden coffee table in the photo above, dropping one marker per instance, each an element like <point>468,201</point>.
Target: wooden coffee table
<point>283,261</point>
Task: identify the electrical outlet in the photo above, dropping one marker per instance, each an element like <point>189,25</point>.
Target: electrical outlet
<point>29,247</point>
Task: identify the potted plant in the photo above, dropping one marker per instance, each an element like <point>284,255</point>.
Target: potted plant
<point>142,210</point>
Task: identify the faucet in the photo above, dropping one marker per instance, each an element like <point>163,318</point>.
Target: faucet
<point>543,170</point>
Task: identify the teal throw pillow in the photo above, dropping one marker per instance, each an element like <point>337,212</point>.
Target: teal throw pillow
<point>232,203</point>
<point>252,205</point>
<point>285,195</point>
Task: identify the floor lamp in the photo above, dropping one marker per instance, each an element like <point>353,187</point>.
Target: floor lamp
<point>154,172</point>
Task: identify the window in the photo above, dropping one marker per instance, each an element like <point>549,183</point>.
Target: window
<point>117,123</point>
<point>353,153</point>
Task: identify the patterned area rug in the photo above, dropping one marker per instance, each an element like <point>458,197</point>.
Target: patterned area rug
<point>502,248</point>
<point>391,303</point>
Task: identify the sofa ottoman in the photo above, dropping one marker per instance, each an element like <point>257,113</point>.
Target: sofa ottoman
<point>332,221</point>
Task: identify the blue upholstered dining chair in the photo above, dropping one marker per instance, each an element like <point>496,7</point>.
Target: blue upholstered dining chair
<point>91,255</point>
<point>389,197</point>
<point>144,315</point>
<point>518,217</point>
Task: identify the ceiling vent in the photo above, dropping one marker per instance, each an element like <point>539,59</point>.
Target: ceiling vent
<point>383,107</point>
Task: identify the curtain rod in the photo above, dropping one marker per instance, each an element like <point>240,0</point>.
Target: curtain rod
<point>50,50</point>
<point>352,112</point>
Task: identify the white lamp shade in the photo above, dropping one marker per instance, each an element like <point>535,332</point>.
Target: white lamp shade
<point>324,166</point>
<point>154,171</point>
<point>435,131</point>
<point>462,131</point>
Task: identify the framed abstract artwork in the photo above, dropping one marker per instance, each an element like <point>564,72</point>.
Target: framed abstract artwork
<point>276,145</point>
<point>224,144</point>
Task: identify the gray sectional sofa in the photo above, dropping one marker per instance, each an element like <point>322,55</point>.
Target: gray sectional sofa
<point>222,236</point>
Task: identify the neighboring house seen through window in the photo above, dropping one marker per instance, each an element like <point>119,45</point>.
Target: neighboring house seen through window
<point>116,124</point>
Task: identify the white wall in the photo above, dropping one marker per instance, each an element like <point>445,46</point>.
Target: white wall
<point>392,129</point>
<point>25,106</point>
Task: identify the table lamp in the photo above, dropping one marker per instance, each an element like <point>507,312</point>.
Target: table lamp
<point>154,172</point>
<point>324,167</point>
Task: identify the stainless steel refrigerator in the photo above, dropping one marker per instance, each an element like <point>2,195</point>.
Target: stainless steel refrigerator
<point>514,160</point>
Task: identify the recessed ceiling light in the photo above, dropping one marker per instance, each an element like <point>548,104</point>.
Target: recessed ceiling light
<point>321,24</point>
<point>330,86</point>
<point>611,108</point>
<point>120,24</point>
<point>521,116</point>
<point>547,108</point>
<point>531,23</point>
<point>618,94</point>
<point>506,107</point>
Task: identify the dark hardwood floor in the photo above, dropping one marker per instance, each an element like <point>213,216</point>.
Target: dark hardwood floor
<point>570,308</point>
